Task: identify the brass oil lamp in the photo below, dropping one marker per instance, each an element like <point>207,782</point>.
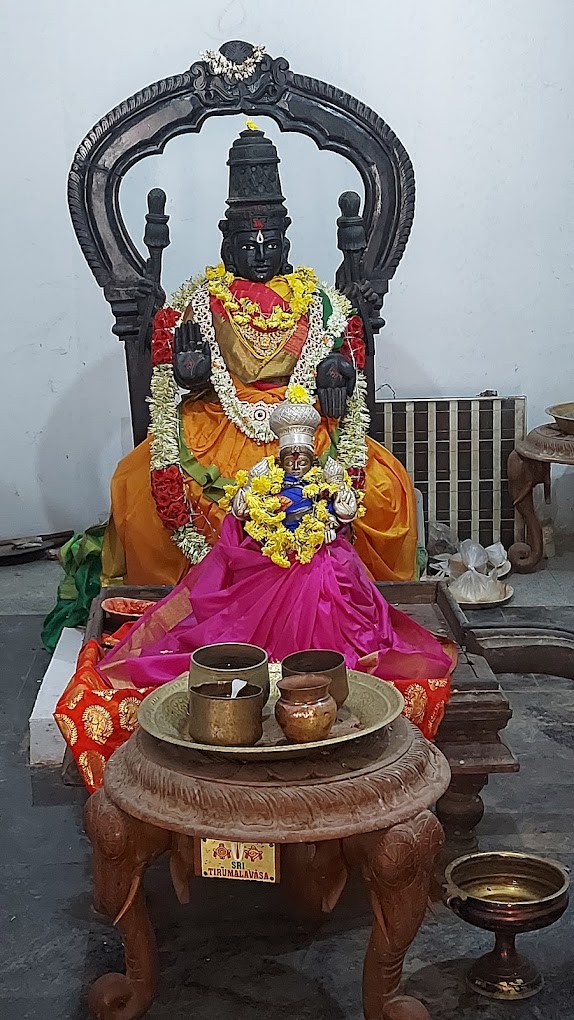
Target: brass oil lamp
<point>508,894</point>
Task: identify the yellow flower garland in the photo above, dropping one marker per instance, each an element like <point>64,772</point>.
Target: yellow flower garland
<point>266,516</point>
<point>303,284</point>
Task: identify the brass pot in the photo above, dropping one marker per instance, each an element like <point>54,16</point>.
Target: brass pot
<point>230,661</point>
<point>215,717</point>
<point>563,415</point>
<point>507,893</point>
<point>305,710</point>
<point>324,661</point>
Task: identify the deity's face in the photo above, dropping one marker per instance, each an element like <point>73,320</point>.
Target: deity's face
<point>296,460</point>
<point>257,255</point>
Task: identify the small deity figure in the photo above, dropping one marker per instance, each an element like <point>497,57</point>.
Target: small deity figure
<point>238,340</point>
<point>307,504</point>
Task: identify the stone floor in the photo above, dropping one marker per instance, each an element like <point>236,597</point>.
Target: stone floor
<point>235,952</point>
<point>28,588</point>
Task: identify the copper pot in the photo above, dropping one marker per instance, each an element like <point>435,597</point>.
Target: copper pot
<point>325,662</point>
<point>215,717</point>
<point>231,660</point>
<point>305,710</point>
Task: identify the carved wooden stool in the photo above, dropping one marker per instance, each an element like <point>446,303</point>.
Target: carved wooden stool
<point>529,466</point>
<point>365,806</point>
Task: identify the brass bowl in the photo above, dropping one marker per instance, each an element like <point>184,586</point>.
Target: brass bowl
<point>509,894</point>
<point>320,660</point>
<point>563,415</point>
<point>229,661</point>
<point>215,717</point>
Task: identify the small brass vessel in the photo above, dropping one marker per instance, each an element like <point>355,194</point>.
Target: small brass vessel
<point>230,661</point>
<point>305,710</point>
<point>324,661</point>
<point>215,717</point>
<point>509,894</point>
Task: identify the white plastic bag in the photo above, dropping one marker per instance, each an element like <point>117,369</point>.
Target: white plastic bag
<point>496,554</point>
<point>473,586</point>
<point>442,539</point>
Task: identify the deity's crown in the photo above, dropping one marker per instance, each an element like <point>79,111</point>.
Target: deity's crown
<point>255,200</point>
<point>294,424</point>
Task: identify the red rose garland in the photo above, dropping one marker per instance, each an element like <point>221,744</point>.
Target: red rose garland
<point>353,347</point>
<point>171,503</point>
<point>162,336</point>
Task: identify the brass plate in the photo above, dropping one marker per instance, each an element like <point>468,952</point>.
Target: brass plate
<point>252,862</point>
<point>371,706</point>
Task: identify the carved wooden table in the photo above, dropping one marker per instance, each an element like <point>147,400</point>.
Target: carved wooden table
<point>529,466</point>
<point>366,806</point>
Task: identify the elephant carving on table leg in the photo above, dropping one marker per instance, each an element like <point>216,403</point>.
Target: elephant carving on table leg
<point>313,876</point>
<point>122,849</point>
<point>397,866</point>
<point>523,476</point>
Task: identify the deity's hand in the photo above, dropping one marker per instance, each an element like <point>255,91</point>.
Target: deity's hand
<point>345,505</point>
<point>239,506</point>
<point>146,287</point>
<point>260,469</point>
<point>331,529</point>
<point>336,379</point>
<point>362,290</point>
<point>191,357</point>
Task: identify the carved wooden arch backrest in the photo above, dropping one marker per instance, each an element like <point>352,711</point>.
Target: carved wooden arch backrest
<point>142,126</point>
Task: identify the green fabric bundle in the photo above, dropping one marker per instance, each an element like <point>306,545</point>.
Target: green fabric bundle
<point>81,558</point>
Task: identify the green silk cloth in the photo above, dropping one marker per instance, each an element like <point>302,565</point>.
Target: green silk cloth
<point>81,558</point>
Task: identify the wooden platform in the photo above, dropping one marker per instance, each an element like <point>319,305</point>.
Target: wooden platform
<point>476,715</point>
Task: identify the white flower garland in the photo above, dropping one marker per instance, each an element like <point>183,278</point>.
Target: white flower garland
<point>181,297</point>
<point>342,309</point>
<point>352,445</point>
<point>220,65</point>
<point>164,450</point>
<point>192,544</point>
<point>164,423</point>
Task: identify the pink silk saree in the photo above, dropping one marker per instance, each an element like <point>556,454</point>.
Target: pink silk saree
<point>236,594</point>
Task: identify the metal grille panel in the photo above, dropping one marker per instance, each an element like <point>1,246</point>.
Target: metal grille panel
<point>456,451</point>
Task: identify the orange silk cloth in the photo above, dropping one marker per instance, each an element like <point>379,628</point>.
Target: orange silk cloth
<point>93,718</point>
<point>139,549</point>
